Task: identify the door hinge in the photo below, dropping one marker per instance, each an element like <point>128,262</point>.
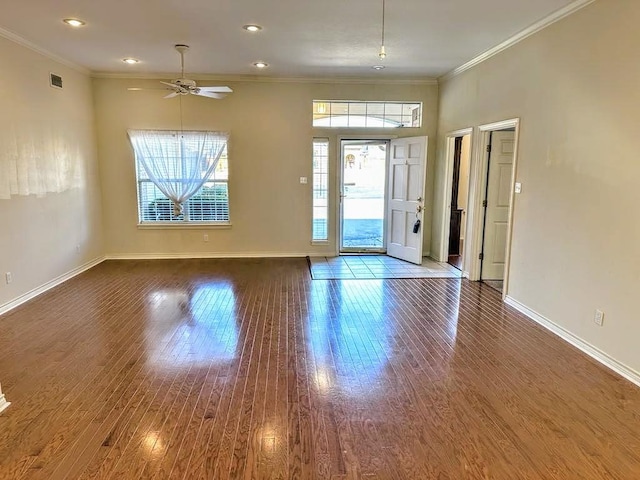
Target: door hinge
<point>489,148</point>
<point>481,256</point>
<point>484,203</point>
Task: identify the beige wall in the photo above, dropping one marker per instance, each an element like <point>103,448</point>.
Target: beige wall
<point>576,234</point>
<point>270,148</point>
<point>44,237</point>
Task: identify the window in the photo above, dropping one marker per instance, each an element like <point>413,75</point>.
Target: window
<point>210,203</point>
<point>349,113</point>
<point>320,190</point>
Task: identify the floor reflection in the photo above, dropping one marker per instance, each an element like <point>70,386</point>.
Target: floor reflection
<point>193,327</point>
<point>349,336</point>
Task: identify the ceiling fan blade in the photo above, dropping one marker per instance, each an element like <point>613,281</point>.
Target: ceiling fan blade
<point>171,95</point>
<point>216,89</point>
<point>210,94</point>
<point>144,89</point>
<point>172,85</point>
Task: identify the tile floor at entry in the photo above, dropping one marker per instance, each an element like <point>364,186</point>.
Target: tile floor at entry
<point>377,266</point>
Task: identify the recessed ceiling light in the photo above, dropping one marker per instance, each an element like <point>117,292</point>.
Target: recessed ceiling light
<point>131,61</point>
<point>260,65</point>
<point>74,22</point>
<point>252,28</point>
<point>378,67</point>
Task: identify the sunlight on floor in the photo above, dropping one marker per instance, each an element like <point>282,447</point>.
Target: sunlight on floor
<point>377,266</point>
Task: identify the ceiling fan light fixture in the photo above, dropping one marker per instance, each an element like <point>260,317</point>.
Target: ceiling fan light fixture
<point>260,65</point>
<point>252,27</point>
<point>130,61</point>
<point>383,53</point>
<point>74,22</point>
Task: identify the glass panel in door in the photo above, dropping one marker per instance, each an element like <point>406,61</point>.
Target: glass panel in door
<point>364,167</point>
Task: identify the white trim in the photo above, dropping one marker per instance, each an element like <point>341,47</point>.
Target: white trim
<point>475,219</point>
<point>184,225</point>
<point>3,401</point>
<point>172,256</point>
<point>501,125</point>
<point>32,46</point>
<point>265,79</point>
<point>4,308</point>
<point>340,172</point>
<point>518,37</point>
<point>448,179</point>
<point>595,353</point>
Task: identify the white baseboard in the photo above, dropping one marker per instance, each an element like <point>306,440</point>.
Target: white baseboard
<point>3,402</point>
<point>172,256</point>
<point>4,308</point>
<point>595,353</point>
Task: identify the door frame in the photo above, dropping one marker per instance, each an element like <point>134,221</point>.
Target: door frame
<point>450,139</point>
<point>477,193</point>
<point>338,193</point>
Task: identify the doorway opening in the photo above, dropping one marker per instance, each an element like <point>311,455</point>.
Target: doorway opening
<point>496,203</point>
<point>363,196</point>
<point>459,200</point>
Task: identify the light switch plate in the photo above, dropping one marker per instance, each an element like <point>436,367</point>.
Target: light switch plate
<point>518,187</point>
<point>303,180</point>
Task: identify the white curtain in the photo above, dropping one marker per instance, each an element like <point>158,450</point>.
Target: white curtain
<point>178,162</point>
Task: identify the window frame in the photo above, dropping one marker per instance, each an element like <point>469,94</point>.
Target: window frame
<point>185,223</point>
<point>324,109</point>
<point>326,174</point>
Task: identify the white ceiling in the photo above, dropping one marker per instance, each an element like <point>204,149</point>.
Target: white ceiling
<point>301,38</point>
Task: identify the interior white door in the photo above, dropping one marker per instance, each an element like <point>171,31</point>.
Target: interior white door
<point>407,167</point>
<point>498,200</point>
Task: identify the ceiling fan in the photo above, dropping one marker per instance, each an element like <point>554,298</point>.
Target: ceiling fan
<point>186,86</point>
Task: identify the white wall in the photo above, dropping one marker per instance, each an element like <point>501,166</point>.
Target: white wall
<point>44,237</point>
<point>576,233</point>
<point>270,148</point>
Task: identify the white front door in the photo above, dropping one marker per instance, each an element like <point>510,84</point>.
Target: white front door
<point>405,210</point>
<point>498,201</point>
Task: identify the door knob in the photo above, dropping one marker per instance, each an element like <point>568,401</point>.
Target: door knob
<point>419,199</point>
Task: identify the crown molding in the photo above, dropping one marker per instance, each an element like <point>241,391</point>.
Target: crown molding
<point>15,38</point>
<point>518,37</point>
<point>267,79</point>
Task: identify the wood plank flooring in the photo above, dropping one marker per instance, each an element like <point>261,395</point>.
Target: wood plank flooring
<point>248,369</point>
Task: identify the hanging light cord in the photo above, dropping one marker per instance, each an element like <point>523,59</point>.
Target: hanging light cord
<point>382,53</point>
<point>181,127</point>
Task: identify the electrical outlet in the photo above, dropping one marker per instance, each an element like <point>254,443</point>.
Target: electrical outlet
<point>205,237</point>
<point>599,318</point>
<point>78,248</point>
<point>8,277</point>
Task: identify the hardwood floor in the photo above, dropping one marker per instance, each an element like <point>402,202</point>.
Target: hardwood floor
<point>243,369</point>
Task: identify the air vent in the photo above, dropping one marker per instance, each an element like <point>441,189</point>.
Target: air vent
<point>55,80</point>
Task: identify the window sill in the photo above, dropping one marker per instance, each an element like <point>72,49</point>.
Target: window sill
<point>182,226</point>
<point>319,242</point>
